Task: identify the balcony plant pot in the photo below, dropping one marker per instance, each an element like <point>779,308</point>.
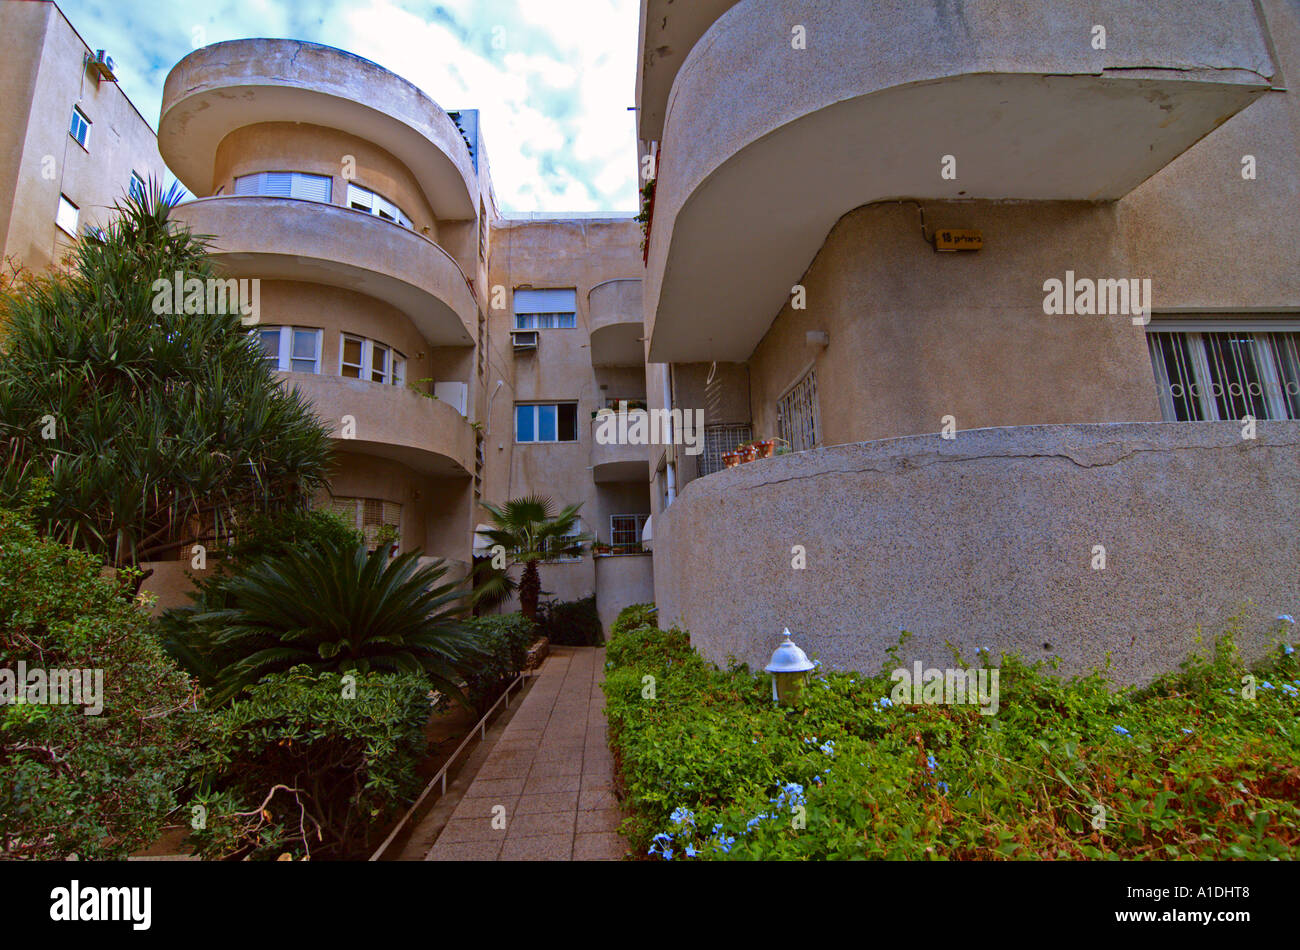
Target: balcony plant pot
<point>731,459</point>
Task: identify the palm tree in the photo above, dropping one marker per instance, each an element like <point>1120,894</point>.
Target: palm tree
<point>157,431</point>
<point>529,532</point>
<point>333,607</point>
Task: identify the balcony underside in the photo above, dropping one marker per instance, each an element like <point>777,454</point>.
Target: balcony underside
<point>618,344</point>
<point>746,234</point>
<point>620,470</point>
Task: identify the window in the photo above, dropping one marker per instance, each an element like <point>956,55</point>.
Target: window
<point>719,439</point>
<point>379,521</point>
<point>363,199</point>
<point>546,309</point>
<point>796,415</point>
<point>285,185</point>
<point>625,533</point>
<point>291,349</point>
<point>360,358</point>
<point>136,188</point>
<point>66,217</point>
<point>573,532</point>
<point>80,128</point>
<point>546,422</point>
<point>1225,371</point>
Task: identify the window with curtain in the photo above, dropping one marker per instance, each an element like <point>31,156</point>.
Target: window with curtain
<point>546,309</point>
<point>1211,371</point>
<point>285,185</point>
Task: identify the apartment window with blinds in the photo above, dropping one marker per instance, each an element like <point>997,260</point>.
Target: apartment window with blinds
<point>363,199</point>
<point>370,360</point>
<point>66,216</point>
<point>546,309</point>
<point>79,128</point>
<point>797,420</point>
<point>285,185</point>
<point>1221,371</point>
<point>719,439</point>
<point>625,533</point>
<point>291,349</point>
<point>379,521</point>
<point>546,422</point>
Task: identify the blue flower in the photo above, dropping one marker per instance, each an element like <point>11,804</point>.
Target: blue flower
<point>690,851</point>
<point>1286,617</point>
<point>1288,649</point>
<point>944,786</point>
<point>1290,690</point>
<point>884,702</point>
<point>828,747</point>
<point>1187,732</point>
<point>931,762</point>
<point>1121,730</point>
<point>682,816</point>
<point>1267,685</point>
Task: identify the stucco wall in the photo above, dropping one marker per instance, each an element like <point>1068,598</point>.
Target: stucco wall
<point>301,147</point>
<point>620,581</point>
<point>988,541</point>
<point>917,335</point>
<point>43,78</point>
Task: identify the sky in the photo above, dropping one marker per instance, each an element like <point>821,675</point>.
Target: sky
<point>552,79</point>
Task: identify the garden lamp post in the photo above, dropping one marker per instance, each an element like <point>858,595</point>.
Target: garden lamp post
<point>789,667</point>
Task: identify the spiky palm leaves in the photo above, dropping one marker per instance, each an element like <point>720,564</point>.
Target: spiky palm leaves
<point>529,531</point>
<point>153,430</point>
<point>333,607</point>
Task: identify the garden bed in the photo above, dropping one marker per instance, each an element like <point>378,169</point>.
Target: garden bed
<point>1188,767</point>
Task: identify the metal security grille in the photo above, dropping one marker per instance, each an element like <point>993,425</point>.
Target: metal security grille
<point>625,533</point>
<point>1225,374</point>
<point>797,417</point>
<point>719,439</point>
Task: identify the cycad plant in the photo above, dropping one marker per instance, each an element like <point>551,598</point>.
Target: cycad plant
<point>332,607</point>
<point>529,531</point>
<point>156,431</point>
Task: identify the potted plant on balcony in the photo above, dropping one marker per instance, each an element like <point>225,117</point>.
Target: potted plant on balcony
<point>600,547</point>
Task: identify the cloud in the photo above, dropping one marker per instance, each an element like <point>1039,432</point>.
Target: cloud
<point>552,83</point>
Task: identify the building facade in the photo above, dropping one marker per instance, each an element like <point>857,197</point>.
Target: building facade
<point>1075,435</point>
<point>71,144</point>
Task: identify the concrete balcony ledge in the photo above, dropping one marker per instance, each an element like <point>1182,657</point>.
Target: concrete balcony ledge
<point>391,422</point>
<point>227,86</point>
<point>989,540</point>
<point>617,330</point>
<point>616,462</point>
<point>293,239</point>
<point>765,147</point>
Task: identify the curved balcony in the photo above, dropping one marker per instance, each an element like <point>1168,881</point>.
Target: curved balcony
<point>990,540</point>
<point>227,86</point>
<point>667,34</point>
<point>292,239</point>
<point>617,462</point>
<point>617,330</point>
<point>765,147</point>
<point>391,422</point>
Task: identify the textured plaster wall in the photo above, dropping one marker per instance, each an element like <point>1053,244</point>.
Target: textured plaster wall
<point>41,79</point>
<point>300,147</point>
<point>988,540</point>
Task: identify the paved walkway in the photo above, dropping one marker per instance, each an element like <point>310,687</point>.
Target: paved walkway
<point>547,785</point>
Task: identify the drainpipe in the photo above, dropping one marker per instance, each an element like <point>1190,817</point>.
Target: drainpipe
<point>670,469</point>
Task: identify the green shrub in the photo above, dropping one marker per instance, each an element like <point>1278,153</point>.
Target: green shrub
<point>633,616</point>
<point>505,640</point>
<point>311,764</point>
<point>96,786</point>
<point>572,623</point>
<point>1184,768</point>
<point>332,607</point>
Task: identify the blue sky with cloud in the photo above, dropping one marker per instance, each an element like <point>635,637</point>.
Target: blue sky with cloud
<point>552,78</point>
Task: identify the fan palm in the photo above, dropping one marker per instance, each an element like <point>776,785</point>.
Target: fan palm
<point>529,531</point>
<point>339,608</point>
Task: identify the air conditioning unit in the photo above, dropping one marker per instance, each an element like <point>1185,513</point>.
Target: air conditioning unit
<point>523,340</point>
<point>103,66</point>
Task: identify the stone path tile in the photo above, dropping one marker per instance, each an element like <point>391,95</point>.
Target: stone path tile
<point>551,776</point>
